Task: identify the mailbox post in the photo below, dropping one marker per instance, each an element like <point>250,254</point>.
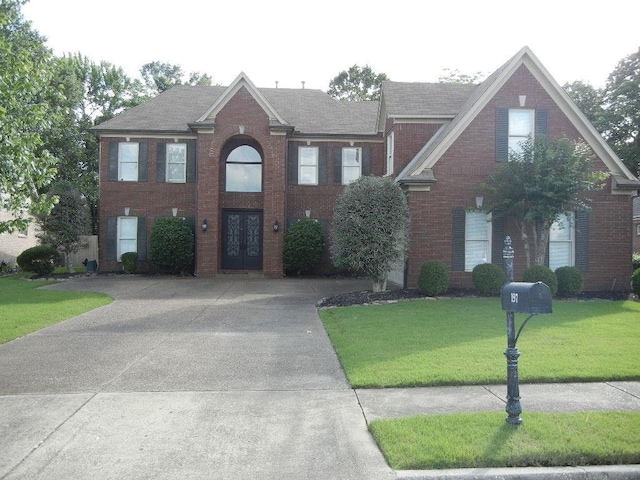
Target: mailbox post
<point>531,298</point>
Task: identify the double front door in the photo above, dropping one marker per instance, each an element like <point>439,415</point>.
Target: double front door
<point>242,239</point>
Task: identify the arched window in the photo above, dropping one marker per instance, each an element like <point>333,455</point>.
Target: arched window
<point>243,170</point>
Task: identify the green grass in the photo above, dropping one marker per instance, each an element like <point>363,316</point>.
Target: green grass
<point>461,342</point>
<point>24,308</point>
<point>486,440</point>
<point>80,269</point>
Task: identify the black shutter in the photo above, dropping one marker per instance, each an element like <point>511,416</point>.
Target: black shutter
<point>542,115</point>
<point>112,238</point>
<point>112,174</point>
<point>337,165</point>
<point>322,166</point>
<point>191,161</point>
<point>457,237</point>
<point>292,164</point>
<point>502,134</point>
<point>367,152</point>
<point>161,162</point>
<point>143,149</point>
<point>142,238</point>
<point>497,240</point>
<point>582,240</point>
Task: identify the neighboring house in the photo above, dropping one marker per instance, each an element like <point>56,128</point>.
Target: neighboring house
<point>13,244</point>
<point>242,163</point>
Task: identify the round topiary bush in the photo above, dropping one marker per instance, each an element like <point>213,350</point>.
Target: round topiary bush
<point>172,245</point>
<point>635,282</point>
<point>570,281</point>
<point>303,246</point>
<point>434,278</point>
<point>540,273</point>
<point>130,262</point>
<point>40,260</point>
<point>488,279</point>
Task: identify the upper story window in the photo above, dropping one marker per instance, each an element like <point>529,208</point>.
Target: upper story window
<point>308,165</point>
<point>127,235</point>
<point>244,170</point>
<point>390,152</point>
<point>177,162</point>
<point>351,164</point>
<point>521,127</point>
<point>477,239</point>
<point>562,242</point>
<point>128,161</point>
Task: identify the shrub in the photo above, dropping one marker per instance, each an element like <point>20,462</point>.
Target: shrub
<point>40,260</point>
<point>635,259</point>
<point>570,281</point>
<point>303,246</point>
<point>171,245</point>
<point>635,282</point>
<point>488,279</point>
<point>540,273</point>
<point>130,262</point>
<point>434,278</point>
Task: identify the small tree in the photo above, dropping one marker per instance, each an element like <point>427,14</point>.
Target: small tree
<point>69,219</point>
<point>303,246</point>
<point>172,245</point>
<point>370,228</point>
<point>537,185</point>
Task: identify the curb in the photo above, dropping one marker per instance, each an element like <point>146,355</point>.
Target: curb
<point>602,472</point>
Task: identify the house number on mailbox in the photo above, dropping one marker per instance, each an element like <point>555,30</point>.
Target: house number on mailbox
<point>514,298</point>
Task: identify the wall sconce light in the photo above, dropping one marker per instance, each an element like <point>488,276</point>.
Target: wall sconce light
<point>127,210</point>
<point>523,100</point>
<point>479,202</point>
<point>276,226</point>
<point>307,213</point>
<point>174,211</point>
<point>204,225</point>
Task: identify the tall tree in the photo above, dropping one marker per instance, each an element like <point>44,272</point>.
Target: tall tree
<point>69,219</point>
<point>357,84</point>
<point>622,104</point>
<point>159,77</point>
<point>370,228</point>
<point>548,178</point>
<point>455,76</point>
<point>26,83</point>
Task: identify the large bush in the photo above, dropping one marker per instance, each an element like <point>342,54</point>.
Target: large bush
<point>40,260</point>
<point>172,245</point>
<point>570,281</point>
<point>540,273</point>
<point>303,246</point>
<point>635,259</point>
<point>488,279</point>
<point>434,278</point>
<point>635,282</point>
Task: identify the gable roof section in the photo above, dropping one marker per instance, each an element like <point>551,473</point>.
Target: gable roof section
<point>424,100</point>
<point>433,151</point>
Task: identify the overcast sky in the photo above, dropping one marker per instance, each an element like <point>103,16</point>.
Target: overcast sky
<point>290,41</point>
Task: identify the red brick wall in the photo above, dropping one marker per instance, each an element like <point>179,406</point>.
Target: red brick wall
<point>468,162</point>
<point>409,138</point>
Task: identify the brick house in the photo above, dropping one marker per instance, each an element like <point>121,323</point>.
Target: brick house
<point>242,163</point>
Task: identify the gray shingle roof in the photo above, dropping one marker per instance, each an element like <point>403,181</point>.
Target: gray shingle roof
<point>309,111</point>
<point>425,99</point>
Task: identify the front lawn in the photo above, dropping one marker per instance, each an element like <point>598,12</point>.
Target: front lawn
<point>24,308</point>
<point>461,342</point>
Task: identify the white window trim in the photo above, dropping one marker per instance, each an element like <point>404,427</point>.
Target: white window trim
<point>121,145</point>
<point>571,242</point>
<point>120,238</point>
<point>183,163</point>
<point>521,138</point>
<point>301,166</point>
<point>359,166</point>
<point>390,152</point>
<point>487,240</point>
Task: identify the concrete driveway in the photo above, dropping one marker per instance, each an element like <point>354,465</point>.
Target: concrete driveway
<point>185,378</point>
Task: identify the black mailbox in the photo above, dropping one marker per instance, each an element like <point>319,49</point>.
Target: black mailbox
<point>523,297</point>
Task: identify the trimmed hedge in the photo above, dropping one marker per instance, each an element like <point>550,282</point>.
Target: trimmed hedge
<point>40,260</point>
<point>303,246</point>
<point>635,282</point>
<point>172,245</point>
<point>130,262</point>
<point>434,278</point>
<point>540,273</point>
<point>570,281</point>
<point>488,279</point>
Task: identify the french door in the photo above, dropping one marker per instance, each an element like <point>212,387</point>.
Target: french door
<point>242,239</point>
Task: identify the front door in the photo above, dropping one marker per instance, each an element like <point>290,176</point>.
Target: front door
<point>242,240</point>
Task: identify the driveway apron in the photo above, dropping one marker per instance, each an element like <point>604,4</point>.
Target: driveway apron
<point>232,377</point>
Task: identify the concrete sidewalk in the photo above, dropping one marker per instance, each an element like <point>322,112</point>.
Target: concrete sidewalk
<point>232,377</point>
